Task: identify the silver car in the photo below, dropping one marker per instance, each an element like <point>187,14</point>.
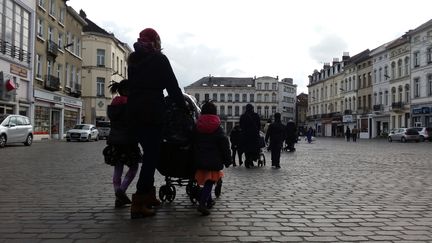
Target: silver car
<point>425,133</point>
<point>83,132</point>
<point>404,135</point>
<point>15,129</point>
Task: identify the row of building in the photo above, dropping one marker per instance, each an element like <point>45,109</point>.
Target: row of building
<point>56,65</point>
<point>376,90</point>
<point>267,94</point>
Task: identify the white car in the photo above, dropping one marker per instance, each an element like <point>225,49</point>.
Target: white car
<point>83,132</point>
<point>15,129</point>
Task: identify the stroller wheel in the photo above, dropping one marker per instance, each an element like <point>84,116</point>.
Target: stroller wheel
<point>163,193</point>
<point>171,193</point>
<point>218,188</point>
<point>195,193</point>
<point>190,186</point>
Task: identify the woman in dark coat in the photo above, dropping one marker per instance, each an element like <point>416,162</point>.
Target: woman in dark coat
<point>276,134</point>
<point>149,73</point>
<point>291,135</point>
<point>250,125</point>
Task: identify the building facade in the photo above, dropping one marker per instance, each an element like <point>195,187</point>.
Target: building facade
<point>421,75</point>
<point>231,95</point>
<point>57,69</point>
<point>17,19</point>
<point>104,61</point>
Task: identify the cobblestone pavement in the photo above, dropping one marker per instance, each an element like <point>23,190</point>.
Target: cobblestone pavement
<point>327,191</point>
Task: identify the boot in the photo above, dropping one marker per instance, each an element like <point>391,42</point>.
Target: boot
<point>153,201</point>
<point>121,199</point>
<point>140,207</point>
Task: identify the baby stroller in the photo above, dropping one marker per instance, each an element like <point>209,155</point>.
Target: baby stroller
<point>176,161</point>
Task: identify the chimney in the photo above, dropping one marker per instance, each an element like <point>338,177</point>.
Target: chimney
<point>326,65</point>
<point>335,61</point>
<point>345,56</point>
<point>277,77</point>
<point>82,14</point>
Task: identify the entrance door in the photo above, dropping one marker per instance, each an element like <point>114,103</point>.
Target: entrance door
<point>55,123</point>
<point>378,124</point>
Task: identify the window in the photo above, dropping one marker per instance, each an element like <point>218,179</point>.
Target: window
<point>40,28</point>
<point>429,55</point>
<point>251,98</point>
<point>38,66</point>
<point>73,76</point>
<point>393,94</point>
<point>222,110</point>
<point>61,15</point>
<point>197,97</point>
<point>266,98</point>
<point>406,66</point>
<point>407,94</point>
<point>416,58</point>
<point>266,112</point>
<point>237,97</point>
<point>50,33</point>
<point>230,98</point>
<point>369,79</point>
<point>52,8</point>
<point>100,58</point>
<point>230,111</point>
<point>41,3</point>
<point>67,72</point>
<point>429,84</point>
<point>60,40</point>
<point>386,97</point>
<point>112,62</point>
<point>100,86</point>
<point>78,47</point>
<point>273,97</point>
<point>214,98</point>
<point>72,47</point>
<point>380,74</point>
<point>274,110</point>
<point>266,86</point>
<point>259,97</point>
<point>258,86</point>
<point>400,93</point>
<point>375,99</point>
<point>237,111</point>
<point>386,72</point>
<point>400,68</point>
<point>375,76</point>
<point>59,72</point>
<point>49,67</point>
<point>259,110</point>
<point>274,86</point>
<point>222,97</point>
<point>416,87</point>
<point>206,97</point>
<point>244,97</point>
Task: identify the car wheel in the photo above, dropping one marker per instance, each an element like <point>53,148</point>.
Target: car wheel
<point>403,140</point>
<point>422,139</point>
<point>389,139</point>
<point>89,138</point>
<point>29,140</point>
<point>2,141</point>
<point>67,140</point>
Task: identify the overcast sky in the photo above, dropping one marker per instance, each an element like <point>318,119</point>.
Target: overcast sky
<point>246,38</point>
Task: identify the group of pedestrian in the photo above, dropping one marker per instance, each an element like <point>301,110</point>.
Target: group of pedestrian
<point>137,117</point>
<point>351,134</point>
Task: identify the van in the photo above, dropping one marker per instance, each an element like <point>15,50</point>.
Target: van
<point>104,128</point>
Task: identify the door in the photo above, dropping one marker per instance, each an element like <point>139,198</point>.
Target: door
<point>55,123</point>
<point>13,131</point>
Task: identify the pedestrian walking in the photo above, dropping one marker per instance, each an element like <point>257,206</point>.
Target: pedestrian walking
<point>211,153</point>
<point>276,133</point>
<point>121,149</point>
<point>348,134</point>
<point>291,135</point>
<point>250,140</point>
<point>149,72</point>
<point>235,136</point>
<point>354,133</point>
<point>309,134</point>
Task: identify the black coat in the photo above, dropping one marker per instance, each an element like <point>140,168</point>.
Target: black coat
<point>149,74</point>
<point>291,132</point>
<point>250,125</point>
<point>276,134</point>
<point>119,125</point>
<point>235,136</point>
<point>211,150</point>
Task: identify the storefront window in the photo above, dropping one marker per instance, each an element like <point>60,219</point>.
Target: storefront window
<point>70,119</point>
<point>42,117</point>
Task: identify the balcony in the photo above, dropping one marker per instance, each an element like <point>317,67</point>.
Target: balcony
<point>12,51</point>
<point>52,83</point>
<point>378,107</point>
<point>347,112</point>
<point>52,49</point>
<point>76,91</point>
<point>398,106</point>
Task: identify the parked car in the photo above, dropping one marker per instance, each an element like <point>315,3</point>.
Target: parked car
<point>83,132</point>
<point>15,129</point>
<point>404,135</point>
<point>424,133</point>
<point>104,128</point>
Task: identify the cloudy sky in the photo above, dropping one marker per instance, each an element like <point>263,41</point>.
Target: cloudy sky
<point>246,38</point>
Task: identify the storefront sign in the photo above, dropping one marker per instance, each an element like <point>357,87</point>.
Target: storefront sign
<point>17,70</point>
<point>347,118</point>
<point>38,94</point>
<point>422,110</point>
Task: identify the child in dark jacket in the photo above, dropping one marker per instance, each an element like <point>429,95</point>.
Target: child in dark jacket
<point>211,153</point>
<point>122,150</point>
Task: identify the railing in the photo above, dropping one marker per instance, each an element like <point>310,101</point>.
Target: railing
<point>347,112</point>
<point>378,107</point>
<point>52,48</point>
<point>397,105</point>
<point>52,83</point>
<point>15,52</point>
<point>76,91</point>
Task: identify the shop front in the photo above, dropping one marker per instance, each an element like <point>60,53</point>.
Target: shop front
<point>380,125</point>
<point>422,115</point>
<point>55,114</point>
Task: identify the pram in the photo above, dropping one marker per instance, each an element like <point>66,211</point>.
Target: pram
<point>176,161</point>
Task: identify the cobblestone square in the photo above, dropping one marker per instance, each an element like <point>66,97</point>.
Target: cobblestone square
<point>327,191</point>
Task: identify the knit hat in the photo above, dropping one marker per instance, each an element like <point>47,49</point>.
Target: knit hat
<point>148,35</point>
